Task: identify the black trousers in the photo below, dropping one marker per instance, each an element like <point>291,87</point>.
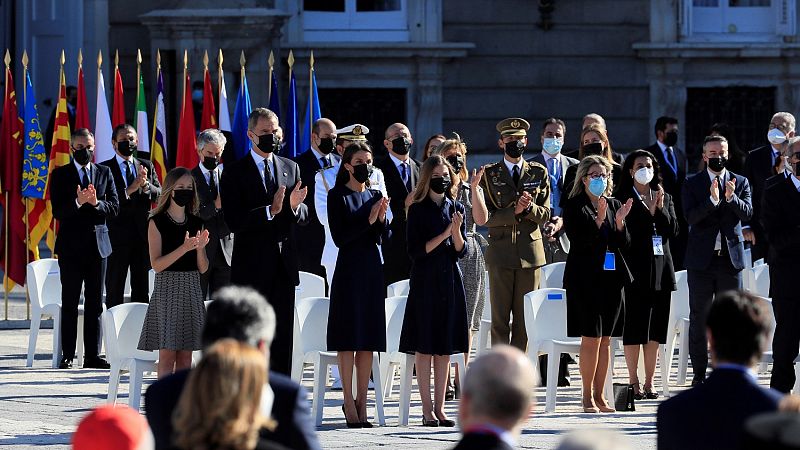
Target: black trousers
<point>704,285</point>
<point>86,271</point>
<point>218,274</point>
<point>786,342</point>
<point>133,255</point>
<point>280,295</point>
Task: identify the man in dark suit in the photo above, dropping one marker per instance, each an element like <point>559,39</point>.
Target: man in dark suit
<point>263,200</point>
<point>83,198</point>
<point>401,172</point>
<point>311,238</point>
<point>712,415</point>
<point>241,314</point>
<point>496,399</point>
<point>715,202</point>
<point>137,188</point>
<point>780,216</point>
<point>761,164</point>
<point>674,166</point>
<point>210,144</point>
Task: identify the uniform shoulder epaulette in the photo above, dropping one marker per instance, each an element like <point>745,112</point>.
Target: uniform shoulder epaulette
<point>535,165</point>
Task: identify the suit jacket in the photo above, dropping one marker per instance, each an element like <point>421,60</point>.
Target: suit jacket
<point>86,227</point>
<point>133,211</point>
<point>672,182</point>
<point>476,441</point>
<point>310,238</point>
<point>757,169</point>
<point>397,189</point>
<point>706,220</point>
<point>260,244</point>
<point>566,163</point>
<point>712,415</point>
<point>213,219</point>
<point>290,409</point>
<point>781,220</point>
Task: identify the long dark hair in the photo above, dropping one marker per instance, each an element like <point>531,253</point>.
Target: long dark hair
<point>625,178</point>
<point>343,176</point>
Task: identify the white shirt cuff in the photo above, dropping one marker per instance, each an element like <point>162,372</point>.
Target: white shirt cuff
<point>715,203</point>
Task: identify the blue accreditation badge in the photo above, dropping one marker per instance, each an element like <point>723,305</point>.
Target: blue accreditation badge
<point>609,263</point>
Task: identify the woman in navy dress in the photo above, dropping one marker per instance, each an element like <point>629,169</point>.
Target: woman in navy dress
<point>435,323</point>
<point>356,319</point>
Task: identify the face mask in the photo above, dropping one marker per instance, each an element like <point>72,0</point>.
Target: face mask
<point>326,145</point>
<point>595,148</point>
<point>82,156</point>
<point>182,197</point>
<point>514,149</point>
<point>717,164</point>
<point>670,138</point>
<point>439,185</point>
<point>456,161</point>
<point>776,137</point>
<point>597,186</point>
<point>126,148</point>
<point>552,145</point>
<point>362,172</point>
<point>210,162</point>
<point>267,143</point>
<point>643,175</point>
<point>401,145</point>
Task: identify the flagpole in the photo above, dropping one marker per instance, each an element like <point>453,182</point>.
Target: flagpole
<point>25,199</point>
<point>138,73</point>
<point>242,62</point>
<point>311,91</point>
<point>271,62</point>
<point>220,77</point>
<point>185,71</point>
<point>7,205</point>
<point>155,111</point>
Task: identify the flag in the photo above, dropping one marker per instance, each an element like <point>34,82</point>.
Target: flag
<point>34,170</point>
<point>11,171</point>
<point>274,98</point>
<point>102,129</point>
<point>118,117</point>
<point>187,143</point>
<point>224,115</point>
<point>158,145</point>
<point>59,156</point>
<point>241,143</point>
<point>208,118</point>
<point>313,113</point>
<point>140,119</point>
<point>291,137</point>
<point>81,111</point>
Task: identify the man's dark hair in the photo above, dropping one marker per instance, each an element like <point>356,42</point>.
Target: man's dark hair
<point>120,128</point>
<point>553,120</point>
<point>240,313</point>
<point>740,324</point>
<point>662,122</point>
<point>81,132</point>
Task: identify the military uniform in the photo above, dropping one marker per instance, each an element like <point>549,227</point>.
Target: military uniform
<point>515,250</point>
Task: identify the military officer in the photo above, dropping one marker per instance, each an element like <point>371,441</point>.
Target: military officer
<point>518,198</point>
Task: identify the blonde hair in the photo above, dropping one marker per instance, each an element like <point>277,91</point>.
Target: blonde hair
<point>455,141</point>
<point>603,134</point>
<point>583,171</point>
<point>425,175</point>
<point>220,407</point>
<point>169,185</point>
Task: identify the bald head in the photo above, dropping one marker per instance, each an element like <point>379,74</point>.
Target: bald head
<point>398,140</point>
<point>323,125</point>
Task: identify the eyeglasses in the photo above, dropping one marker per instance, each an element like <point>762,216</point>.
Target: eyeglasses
<point>596,176</point>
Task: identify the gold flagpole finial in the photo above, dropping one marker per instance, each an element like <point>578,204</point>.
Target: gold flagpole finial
<point>158,58</point>
<point>116,59</point>
<point>7,59</point>
<point>290,60</point>
<point>185,59</point>
<point>62,59</point>
<point>271,60</point>
<point>80,58</point>
<point>25,59</point>
<point>242,60</point>
<point>99,59</point>
<point>311,60</point>
<point>219,59</point>
<point>205,59</point>
<point>138,56</point>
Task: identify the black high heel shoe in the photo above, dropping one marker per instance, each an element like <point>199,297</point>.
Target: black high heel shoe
<point>446,422</point>
<point>353,424</point>
<point>649,393</point>
<point>429,423</point>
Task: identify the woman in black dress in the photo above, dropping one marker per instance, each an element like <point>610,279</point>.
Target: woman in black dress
<point>595,272</point>
<point>651,224</point>
<point>357,319</point>
<point>435,323</point>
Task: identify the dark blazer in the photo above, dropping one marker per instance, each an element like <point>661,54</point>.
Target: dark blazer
<point>77,225</point>
<point>757,168</point>
<point>476,441</point>
<point>781,220</point>
<point>706,220</point>
<point>289,409</point>
<point>672,183</point>
<point>310,238</point>
<point>259,240</point>
<point>133,210</point>
<point>650,271</point>
<point>566,163</point>
<point>712,415</point>
<point>213,219</point>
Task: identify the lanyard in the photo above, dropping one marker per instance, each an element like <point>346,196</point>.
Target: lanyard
<point>641,199</point>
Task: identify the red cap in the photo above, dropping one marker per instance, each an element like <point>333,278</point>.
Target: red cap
<point>109,427</point>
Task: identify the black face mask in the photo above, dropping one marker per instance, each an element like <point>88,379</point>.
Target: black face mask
<point>671,138</point>
<point>82,156</point>
<point>267,143</point>
<point>595,148</point>
<point>514,149</point>
<point>182,197</point>
<point>717,164</point>
<point>362,172</point>
<point>401,145</point>
<point>126,148</point>
<point>326,145</point>
<point>456,161</point>
<point>439,185</point>
<point>210,162</point>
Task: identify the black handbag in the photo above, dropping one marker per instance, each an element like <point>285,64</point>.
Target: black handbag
<point>623,397</point>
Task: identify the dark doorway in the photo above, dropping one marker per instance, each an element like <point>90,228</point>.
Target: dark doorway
<point>375,108</point>
<point>746,109</point>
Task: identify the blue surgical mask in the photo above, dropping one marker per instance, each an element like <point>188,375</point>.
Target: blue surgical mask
<point>597,186</point>
<point>552,145</point>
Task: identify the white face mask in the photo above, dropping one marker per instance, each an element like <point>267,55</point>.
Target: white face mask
<point>643,175</point>
<point>776,136</point>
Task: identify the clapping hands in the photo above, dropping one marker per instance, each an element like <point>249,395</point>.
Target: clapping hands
<point>200,240</point>
<point>88,195</point>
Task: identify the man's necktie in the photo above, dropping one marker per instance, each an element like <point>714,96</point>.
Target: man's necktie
<point>672,164</point>
<point>212,185</point>
<point>84,178</point>
<point>324,162</point>
<point>721,185</point>
<point>128,174</point>
<point>555,191</point>
<point>269,181</point>
<point>404,173</point>
<point>515,176</point>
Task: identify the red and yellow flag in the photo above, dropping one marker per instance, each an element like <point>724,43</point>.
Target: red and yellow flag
<point>59,152</point>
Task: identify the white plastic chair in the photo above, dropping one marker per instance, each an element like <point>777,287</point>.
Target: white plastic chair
<point>398,288</point>
<point>748,258</point>
<point>310,347</point>
<point>553,275</point>
<point>311,285</point>
<point>677,327</point>
<point>485,329</point>
<point>760,285</point>
<point>44,288</point>
<point>122,326</point>
<point>758,262</point>
<point>395,308</point>
<point>151,279</point>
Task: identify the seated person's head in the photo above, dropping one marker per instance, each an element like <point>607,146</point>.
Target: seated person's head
<point>498,389</point>
<point>118,427</point>
<point>239,313</point>
<point>739,328</point>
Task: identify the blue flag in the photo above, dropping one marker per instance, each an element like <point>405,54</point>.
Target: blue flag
<point>241,143</point>
<point>292,136</point>
<point>34,156</point>
<point>274,102</point>
<point>313,113</point>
